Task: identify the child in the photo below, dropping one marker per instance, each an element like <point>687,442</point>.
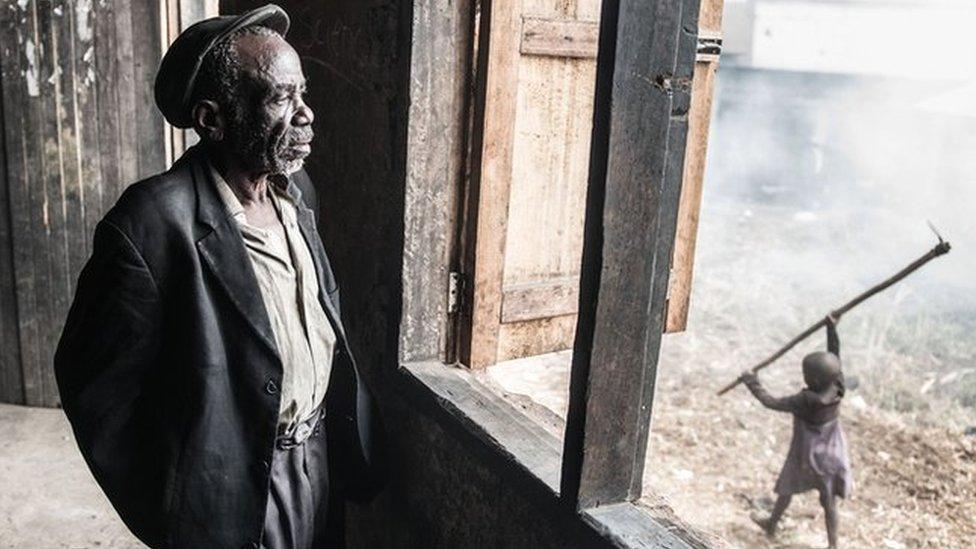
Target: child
<point>818,452</point>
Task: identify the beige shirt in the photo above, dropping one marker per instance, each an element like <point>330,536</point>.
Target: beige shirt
<point>289,287</point>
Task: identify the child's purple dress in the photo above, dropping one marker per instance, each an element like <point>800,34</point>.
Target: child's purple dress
<point>818,456</point>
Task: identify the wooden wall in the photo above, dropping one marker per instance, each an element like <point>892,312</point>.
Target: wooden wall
<point>79,124</point>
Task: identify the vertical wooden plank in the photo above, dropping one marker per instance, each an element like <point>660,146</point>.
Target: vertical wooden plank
<point>107,87</point>
<point>73,21</point>
<point>192,11</point>
<point>492,177</point>
<point>20,86</point>
<point>169,30</point>
<point>87,25</point>
<point>699,118</point>
<point>62,207</point>
<point>615,358</point>
<point>58,228</point>
<point>149,149</point>
<point>11,377</point>
<point>461,260</point>
<point>125,89</point>
<point>461,329</point>
<point>176,16</point>
<point>47,221</point>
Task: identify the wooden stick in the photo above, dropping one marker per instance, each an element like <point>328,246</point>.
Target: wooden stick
<point>941,248</point>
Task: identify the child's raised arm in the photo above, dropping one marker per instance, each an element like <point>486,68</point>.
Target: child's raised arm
<point>785,404</point>
<point>833,342</point>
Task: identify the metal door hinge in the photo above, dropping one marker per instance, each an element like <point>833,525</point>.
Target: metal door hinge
<point>709,47</point>
<point>455,292</point>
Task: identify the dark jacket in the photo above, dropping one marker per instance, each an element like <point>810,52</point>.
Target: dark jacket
<point>168,369</point>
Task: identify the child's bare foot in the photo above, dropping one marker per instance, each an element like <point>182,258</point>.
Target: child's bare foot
<point>766,524</point>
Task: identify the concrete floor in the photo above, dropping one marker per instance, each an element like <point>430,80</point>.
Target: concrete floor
<point>48,497</point>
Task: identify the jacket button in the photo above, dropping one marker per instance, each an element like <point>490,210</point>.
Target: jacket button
<point>271,387</point>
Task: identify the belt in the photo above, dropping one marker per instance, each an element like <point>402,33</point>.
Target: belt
<point>302,432</point>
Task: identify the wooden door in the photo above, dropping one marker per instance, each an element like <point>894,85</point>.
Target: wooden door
<point>529,184</point>
<point>78,125</point>
<point>547,186</point>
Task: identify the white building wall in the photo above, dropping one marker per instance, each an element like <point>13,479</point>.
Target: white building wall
<point>924,39</point>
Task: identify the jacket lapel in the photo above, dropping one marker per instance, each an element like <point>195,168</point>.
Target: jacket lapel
<point>222,250</point>
<point>306,223</point>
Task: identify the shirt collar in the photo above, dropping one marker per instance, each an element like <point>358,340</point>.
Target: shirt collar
<point>227,196</point>
<point>279,186</point>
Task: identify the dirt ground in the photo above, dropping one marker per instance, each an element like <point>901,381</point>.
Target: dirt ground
<point>715,460</point>
<point>718,458</point>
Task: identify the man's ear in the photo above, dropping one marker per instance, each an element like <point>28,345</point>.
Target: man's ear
<point>209,121</point>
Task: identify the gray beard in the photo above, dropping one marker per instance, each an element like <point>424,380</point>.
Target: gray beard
<point>258,154</point>
<point>292,166</point>
<point>256,151</point>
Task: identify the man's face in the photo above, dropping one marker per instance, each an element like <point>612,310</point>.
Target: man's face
<point>271,131</point>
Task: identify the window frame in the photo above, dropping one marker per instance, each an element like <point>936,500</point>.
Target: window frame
<point>639,132</point>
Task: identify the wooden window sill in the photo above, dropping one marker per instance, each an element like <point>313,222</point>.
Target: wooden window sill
<point>520,438</point>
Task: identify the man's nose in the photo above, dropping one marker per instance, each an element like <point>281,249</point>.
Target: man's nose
<point>303,115</point>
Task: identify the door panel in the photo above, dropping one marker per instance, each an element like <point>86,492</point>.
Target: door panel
<point>550,162</point>
<point>538,105</point>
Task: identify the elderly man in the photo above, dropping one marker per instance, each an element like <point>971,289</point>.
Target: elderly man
<point>204,366</point>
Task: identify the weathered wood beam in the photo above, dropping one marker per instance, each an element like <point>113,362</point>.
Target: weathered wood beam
<point>699,118</point>
<point>540,300</point>
<point>439,84</point>
<point>11,376</point>
<point>626,246</point>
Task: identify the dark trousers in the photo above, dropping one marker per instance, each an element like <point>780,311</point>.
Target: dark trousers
<point>298,502</point>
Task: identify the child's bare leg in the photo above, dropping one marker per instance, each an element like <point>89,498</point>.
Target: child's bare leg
<point>769,525</point>
<point>779,508</point>
<point>829,504</point>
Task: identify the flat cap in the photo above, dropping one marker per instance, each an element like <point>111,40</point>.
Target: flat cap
<point>177,74</point>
